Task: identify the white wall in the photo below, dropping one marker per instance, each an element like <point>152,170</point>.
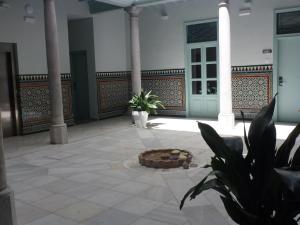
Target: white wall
<point>112,41</point>
<point>162,41</point>
<point>251,34</point>
<point>30,38</point>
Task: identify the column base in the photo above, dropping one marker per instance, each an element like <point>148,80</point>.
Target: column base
<point>226,121</point>
<point>7,207</point>
<point>58,134</point>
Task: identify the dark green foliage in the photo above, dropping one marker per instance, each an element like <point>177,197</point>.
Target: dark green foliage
<point>145,102</point>
<point>261,188</point>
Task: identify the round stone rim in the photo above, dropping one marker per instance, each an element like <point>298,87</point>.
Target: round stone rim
<point>163,163</point>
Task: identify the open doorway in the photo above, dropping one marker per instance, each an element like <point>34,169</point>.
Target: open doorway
<point>82,62</point>
<point>8,99</point>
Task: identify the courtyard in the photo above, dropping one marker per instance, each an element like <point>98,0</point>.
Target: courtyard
<point>96,178</point>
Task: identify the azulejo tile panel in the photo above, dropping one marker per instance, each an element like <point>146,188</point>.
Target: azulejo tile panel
<point>34,101</point>
<point>113,93</point>
<point>114,90</point>
<point>251,87</point>
<point>169,85</point>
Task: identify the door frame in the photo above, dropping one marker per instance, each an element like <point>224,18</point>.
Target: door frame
<point>186,63</point>
<point>276,38</point>
<point>12,49</point>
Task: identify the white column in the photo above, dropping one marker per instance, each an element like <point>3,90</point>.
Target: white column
<point>7,203</point>
<point>58,129</point>
<point>136,79</point>
<point>226,117</point>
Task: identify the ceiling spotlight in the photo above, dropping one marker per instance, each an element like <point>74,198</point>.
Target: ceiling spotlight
<point>163,13</point>
<point>246,8</point>
<point>29,9</point>
<point>4,5</point>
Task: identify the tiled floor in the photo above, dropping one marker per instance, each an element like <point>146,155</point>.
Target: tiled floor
<point>96,180</point>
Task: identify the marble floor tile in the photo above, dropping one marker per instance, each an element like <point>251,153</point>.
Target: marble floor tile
<point>60,186</point>
<point>145,221</point>
<point>137,205</point>
<point>52,220</point>
<point>55,202</point>
<point>80,211</point>
<point>158,193</point>
<point>131,187</point>
<point>113,217</point>
<point>83,192</point>
<point>202,215</point>
<point>108,198</point>
<point>27,213</point>
<point>83,177</point>
<point>33,195</point>
<point>169,214</point>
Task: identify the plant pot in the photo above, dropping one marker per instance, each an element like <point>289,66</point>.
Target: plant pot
<point>140,118</point>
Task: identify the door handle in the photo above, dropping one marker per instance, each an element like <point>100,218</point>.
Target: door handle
<point>280,81</point>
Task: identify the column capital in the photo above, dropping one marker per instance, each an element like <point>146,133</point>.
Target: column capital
<point>223,3</point>
<point>134,11</point>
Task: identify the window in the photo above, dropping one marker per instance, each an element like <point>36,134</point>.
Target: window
<point>202,32</point>
<point>288,22</point>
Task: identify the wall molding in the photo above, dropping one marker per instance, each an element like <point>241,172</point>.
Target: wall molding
<point>252,69</point>
<point>164,72</point>
<point>40,77</point>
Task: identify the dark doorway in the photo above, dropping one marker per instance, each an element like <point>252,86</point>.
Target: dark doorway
<point>8,106</point>
<point>79,71</point>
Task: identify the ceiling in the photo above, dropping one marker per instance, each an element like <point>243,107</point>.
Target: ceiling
<point>97,6</point>
<point>125,3</point>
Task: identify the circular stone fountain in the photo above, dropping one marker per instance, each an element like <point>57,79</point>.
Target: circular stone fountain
<point>165,158</point>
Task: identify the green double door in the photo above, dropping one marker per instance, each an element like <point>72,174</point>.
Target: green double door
<point>202,80</point>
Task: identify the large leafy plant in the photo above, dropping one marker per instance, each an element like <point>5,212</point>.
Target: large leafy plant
<point>262,187</point>
<point>146,102</point>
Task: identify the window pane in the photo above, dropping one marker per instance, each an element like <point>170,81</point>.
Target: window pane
<point>211,54</point>
<point>212,87</point>
<point>288,23</point>
<point>202,32</point>
<point>196,88</point>
<point>211,70</point>
<point>196,71</point>
<point>196,55</point>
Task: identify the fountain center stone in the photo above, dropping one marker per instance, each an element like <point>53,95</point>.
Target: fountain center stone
<point>165,158</point>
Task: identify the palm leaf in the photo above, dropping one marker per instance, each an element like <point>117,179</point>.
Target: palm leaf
<point>283,153</point>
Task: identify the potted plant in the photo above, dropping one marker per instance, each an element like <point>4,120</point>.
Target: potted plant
<point>261,187</point>
<point>142,105</point>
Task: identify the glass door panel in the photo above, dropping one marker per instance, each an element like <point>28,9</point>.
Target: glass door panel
<point>203,79</point>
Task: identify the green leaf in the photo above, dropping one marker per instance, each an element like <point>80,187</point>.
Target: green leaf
<point>283,153</point>
<point>192,190</point>
<point>211,184</point>
<point>214,141</point>
<point>237,213</point>
<point>234,144</point>
<point>295,162</point>
<point>145,102</point>
<point>291,179</point>
<point>260,124</point>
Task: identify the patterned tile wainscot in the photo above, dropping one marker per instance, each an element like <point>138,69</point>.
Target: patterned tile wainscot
<point>33,94</point>
<point>169,85</point>
<point>114,90</point>
<point>113,93</point>
<point>251,88</point>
